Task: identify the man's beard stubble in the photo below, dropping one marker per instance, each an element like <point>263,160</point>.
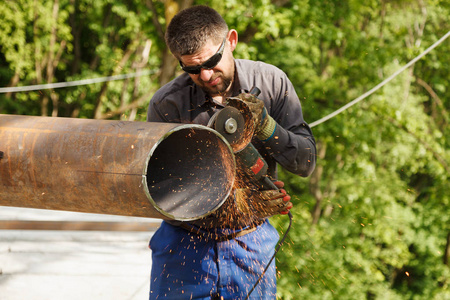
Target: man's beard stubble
<point>226,82</point>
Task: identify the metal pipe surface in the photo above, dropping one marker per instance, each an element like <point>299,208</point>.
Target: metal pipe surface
<point>157,170</point>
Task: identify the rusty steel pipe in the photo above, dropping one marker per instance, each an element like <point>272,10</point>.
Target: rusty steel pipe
<point>157,170</point>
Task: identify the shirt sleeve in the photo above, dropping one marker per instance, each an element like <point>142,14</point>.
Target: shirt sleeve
<point>292,145</point>
<point>162,110</point>
<point>153,114</point>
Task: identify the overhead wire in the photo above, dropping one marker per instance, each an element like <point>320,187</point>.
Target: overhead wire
<point>149,72</point>
<point>57,85</point>
<point>381,84</point>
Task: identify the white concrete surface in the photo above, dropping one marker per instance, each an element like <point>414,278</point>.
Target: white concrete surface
<point>17,213</point>
<point>69,265</point>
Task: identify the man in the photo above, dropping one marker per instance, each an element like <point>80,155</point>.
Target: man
<point>222,255</point>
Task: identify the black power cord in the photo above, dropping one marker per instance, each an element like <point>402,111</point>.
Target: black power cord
<point>273,257</point>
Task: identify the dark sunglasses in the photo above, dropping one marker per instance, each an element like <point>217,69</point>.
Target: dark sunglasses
<point>207,65</point>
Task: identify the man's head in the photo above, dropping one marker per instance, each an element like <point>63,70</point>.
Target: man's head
<point>199,38</point>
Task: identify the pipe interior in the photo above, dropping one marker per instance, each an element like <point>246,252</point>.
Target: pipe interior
<point>190,173</point>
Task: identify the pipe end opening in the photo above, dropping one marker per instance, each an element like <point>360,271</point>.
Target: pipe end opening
<point>190,173</point>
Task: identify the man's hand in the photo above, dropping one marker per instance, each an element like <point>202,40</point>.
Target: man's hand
<point>264,203</point>
<point>264,124</point>
<point>256,107</point>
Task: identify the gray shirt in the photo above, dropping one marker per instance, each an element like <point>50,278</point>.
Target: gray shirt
<point>292,145</point>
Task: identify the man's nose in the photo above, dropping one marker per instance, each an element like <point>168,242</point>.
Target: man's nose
<point>205,74</point>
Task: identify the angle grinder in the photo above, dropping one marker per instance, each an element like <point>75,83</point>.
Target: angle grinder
<point>235,123</point>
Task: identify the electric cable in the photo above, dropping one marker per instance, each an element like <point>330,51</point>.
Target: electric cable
<point>377,87</point>
<point>64,84</point>
<point>272,258</point>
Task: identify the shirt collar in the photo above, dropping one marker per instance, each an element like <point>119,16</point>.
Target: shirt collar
<point>241,81</point>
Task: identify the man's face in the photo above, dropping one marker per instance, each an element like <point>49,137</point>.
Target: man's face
<point>216,81</point>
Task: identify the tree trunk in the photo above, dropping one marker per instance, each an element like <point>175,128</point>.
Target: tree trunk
<point>13,82</point>
<point>315,184</point>
<point>119,67</point>
<point>168,61</point>
<point>76,33</point>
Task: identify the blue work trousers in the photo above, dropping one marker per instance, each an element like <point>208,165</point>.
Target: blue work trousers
<point>188,266</point>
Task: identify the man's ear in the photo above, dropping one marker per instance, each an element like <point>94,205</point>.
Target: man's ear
<point>232,38</point>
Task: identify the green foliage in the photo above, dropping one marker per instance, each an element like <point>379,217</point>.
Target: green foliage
<point>383,228</point>
<point>372,221</point>
<point>90,39</point>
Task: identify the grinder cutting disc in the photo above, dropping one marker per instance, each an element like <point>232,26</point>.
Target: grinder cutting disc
<point>248,128</point>
<point>231,125</point>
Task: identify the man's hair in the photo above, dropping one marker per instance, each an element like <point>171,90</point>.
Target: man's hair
<point>191,29</point>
